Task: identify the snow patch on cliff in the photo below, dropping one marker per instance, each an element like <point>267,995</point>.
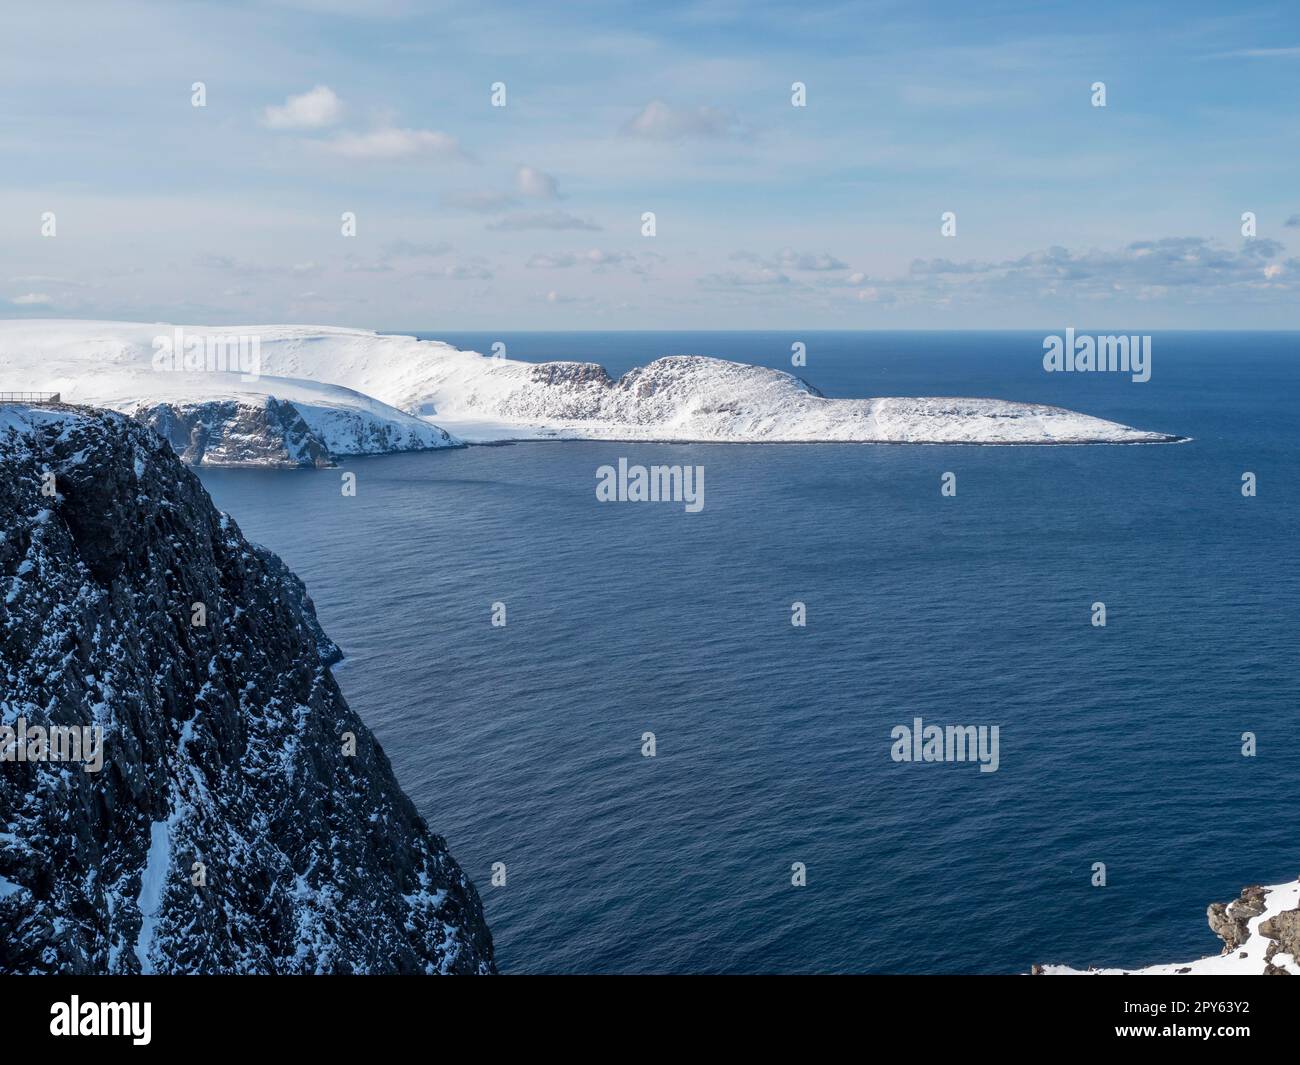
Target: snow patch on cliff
<point>152,882</point>
<point>8,887</point>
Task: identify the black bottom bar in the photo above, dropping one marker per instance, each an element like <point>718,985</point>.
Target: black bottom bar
<point>335,1014</point>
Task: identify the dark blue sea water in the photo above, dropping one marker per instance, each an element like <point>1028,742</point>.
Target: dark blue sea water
<point>1118,745</point>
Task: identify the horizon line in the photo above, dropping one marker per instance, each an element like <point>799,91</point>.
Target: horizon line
<point>416,331</point>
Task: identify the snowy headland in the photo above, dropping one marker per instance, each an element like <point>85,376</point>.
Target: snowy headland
<point>317,392</point>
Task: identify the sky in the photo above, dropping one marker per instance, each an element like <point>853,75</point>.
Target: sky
<point>123,200</point>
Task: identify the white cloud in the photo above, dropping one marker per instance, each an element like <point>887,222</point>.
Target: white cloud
<point>536,184</point>
<point>557,297</point>
<point>663,122</point>
<point>31,299</point>
<point>596,258</point>
<point>544,220</point>
<point>458,272</point>
<point>484,200</point>
<point>394,143</point>
<point>315,109</point>
<point>416,249</point>
<point>543,261</point>
<point>46,279</point>
<point>761,278</point>
<point>789,259</point>
<point>817,261</point>
<point>364,266</point>
<point>1192,262</point>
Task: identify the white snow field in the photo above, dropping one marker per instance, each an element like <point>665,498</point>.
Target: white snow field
<point>1247,960</point>
<point>111,364</point>
<point>408,384</point>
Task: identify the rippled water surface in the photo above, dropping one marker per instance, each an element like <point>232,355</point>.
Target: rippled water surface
<point>1119,745</point>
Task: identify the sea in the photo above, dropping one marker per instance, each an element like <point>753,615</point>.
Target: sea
<point>773,829</point>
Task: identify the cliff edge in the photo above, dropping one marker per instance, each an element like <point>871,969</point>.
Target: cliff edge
<point>241,818</point>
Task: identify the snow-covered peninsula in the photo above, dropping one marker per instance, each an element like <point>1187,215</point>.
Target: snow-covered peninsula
<point>322,391</point>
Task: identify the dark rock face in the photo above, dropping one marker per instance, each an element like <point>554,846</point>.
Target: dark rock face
<point>230,829</point>
<point>228,433</point>
<point>571,374</point>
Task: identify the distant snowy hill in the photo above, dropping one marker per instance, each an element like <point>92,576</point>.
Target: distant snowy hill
<point>216,418</point>
<point>325,371</point>
<point>1260,932</point>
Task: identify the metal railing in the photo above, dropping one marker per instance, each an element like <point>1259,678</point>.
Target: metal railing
<point>29,397</point>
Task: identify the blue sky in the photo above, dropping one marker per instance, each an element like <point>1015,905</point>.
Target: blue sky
<point>528,216</point>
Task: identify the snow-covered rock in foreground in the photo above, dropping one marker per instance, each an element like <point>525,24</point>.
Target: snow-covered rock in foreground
<point>242,819</point>
<point>483,399</point>
<point>1260,932</point>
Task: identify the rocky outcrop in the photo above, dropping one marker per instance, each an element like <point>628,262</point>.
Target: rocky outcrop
<point>1283,929</point>
<point>244,819</point>
<point>229,433</point>
<point>1260,930</point>
<point>1230,920</point>
<point>270,432</point>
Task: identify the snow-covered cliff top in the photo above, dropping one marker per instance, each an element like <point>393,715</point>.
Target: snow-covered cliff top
<point>482,399</point>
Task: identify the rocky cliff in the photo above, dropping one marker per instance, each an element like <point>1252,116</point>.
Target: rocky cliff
<point>243,819</point>
<point>266,431</point>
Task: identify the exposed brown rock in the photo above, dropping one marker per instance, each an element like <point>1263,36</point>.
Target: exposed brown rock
<point>1229,921</point>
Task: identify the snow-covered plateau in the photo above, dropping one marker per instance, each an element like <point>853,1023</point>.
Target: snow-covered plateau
<point>1261,936</point>
<point>323,391</point>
